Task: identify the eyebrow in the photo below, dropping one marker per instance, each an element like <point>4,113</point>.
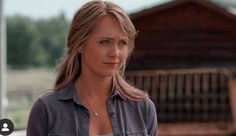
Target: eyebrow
<point>111,38</point>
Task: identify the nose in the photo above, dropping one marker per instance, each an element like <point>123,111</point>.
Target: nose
<point>114,51</point>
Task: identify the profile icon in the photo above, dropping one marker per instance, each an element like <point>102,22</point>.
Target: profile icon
<point>6,127</point>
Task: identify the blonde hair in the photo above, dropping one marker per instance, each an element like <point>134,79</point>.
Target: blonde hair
<point>84,22</point>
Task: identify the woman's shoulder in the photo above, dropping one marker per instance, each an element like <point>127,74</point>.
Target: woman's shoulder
<point>151,107</point>
<point>145,104</point>
<point>48,100</point>
<point>148,103</point>
<point>47,95</point>
<point>53,96</point>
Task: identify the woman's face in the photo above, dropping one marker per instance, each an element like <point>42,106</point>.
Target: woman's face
<point>106,50</point>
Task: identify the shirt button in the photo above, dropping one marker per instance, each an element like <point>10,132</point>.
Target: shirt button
<point>112,113</point>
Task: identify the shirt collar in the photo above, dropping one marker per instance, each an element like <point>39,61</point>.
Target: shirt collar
<point>69,92</point>
<point>66,93</point>
<point>117,91</point>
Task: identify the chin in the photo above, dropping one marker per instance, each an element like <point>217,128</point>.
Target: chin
<point>109,73</point>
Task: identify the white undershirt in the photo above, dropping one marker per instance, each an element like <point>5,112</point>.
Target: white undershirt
<point>110,134</point>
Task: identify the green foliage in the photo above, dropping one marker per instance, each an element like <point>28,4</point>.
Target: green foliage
<point>21,38</point>
<point>53,37</point>
<point>35,43</point>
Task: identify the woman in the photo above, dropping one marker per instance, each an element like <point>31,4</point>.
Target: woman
<point>91,97</point>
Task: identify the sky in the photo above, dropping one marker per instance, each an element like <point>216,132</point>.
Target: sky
<point>48,8</point>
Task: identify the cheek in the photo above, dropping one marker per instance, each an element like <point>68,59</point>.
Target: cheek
<point>124,56</point>
<point>95,54</point>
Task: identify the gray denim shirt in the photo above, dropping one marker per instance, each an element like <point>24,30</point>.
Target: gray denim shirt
<point>60,113</point>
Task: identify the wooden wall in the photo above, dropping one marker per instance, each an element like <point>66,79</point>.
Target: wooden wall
<point>184,35</point>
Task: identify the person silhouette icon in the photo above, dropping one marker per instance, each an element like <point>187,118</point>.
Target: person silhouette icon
<point>4,129</point>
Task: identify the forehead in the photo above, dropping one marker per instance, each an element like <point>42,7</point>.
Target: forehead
<point>109,27</point>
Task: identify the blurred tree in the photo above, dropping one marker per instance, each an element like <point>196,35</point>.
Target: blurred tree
<point>22,38</point>
<point>53,37</point>
<point>35,43</point>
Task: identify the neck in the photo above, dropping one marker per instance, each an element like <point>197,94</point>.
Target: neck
<point>88,87</point>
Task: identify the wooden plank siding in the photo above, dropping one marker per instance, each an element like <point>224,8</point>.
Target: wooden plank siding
<point>184,34</point>
<point>189,96</point>
<point>185,57</point>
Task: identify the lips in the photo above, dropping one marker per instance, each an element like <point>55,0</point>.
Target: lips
<point>112,64</point>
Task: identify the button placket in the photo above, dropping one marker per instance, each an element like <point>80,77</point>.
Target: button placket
<point>112,116</point>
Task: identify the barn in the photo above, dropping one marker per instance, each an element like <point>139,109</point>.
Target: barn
<point>185,57</point>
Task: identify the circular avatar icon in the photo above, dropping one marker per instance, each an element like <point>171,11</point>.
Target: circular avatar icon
<point>6,127</point>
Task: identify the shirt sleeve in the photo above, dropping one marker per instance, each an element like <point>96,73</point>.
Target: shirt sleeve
<point>38,122</point>
<point>152,119</point>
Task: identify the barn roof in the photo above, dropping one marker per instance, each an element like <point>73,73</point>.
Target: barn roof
<point>169,5</point>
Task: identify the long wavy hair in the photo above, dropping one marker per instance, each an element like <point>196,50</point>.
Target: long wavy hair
<point>84,22</point>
